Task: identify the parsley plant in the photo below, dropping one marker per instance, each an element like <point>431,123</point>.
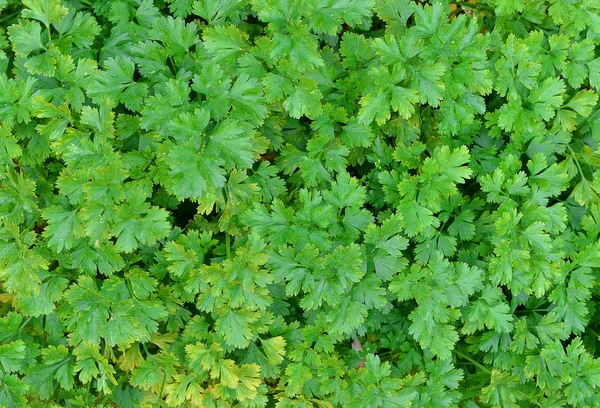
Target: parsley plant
<point>299,203</point>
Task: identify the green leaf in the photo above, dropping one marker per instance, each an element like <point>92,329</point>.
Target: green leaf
<point>104,258</point>
<point>327,15</point>
<point>80,28</point>
<point>503,389</point>
<point>355,50</point>
<point>235,328</point>
<point>217,13</point>
<point>393,11</point>
<point>21,272</point>
<point>547,97</point>
<point>116,82</point>
<point>304,99</point>
<point>9,325</point>
<point>429,18</point>
<point>594,67</point>
<point>427,82</point>
<point>225,44</point>
<point>9,147</point>
<point>246,100</point>
<point>43,303</point>
<point>376,107</point>
<point>26,37</point>
<point>428,327</point>
<point>177,36</point>
<point>451,165</point>
<point>194,174</point>
<point>583,102</point>
<point>299,46</point>
<point>11,355</point>
<point>489,310</point>
<point>91,365</point>
<point>57,365</point>
<point>137,223</point>
<point>403,101</point>
<point>88,311</point>
<point>142,284</point>
<point>46,11</point>
<point>64,228</point>
<point>12,391</point>
<point>274,349</point>
<point>230,143</point>
<point>416,217</point>
<point>44,63</point>
<point>507,7</point>
<point>387,246</point>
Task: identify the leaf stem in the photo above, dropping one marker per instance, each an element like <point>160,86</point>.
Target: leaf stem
<point>574,155</point>
<point>475,363</point>
<point>162,387</point>
<point>475,6</point>
<point>49,33</point>
<point>588,119</point>
<point>594,332</point>
<point>228,245</point>
<point>25,323</point>
<point>20,329</point>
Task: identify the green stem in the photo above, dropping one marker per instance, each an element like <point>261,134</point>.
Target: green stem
<point>162,387</point>
<point>475,363</point>
<point>441,229</point>
<point>173,67</point>
<point>10,17</point>
<point>574,155</point>
<point>25,323</point>
<point>475,6</point>
<point>228,245</point>
<point>49,33</point>
<point>588,119</point>
<point>527,311</point>
<point>594,332</point>
<point>20,329</point>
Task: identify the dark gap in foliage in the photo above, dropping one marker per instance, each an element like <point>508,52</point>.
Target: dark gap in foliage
<point>184,213</point>
<point>137,76</point>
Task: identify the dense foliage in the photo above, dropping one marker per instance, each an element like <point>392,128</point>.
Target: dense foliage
<point>299,203</point>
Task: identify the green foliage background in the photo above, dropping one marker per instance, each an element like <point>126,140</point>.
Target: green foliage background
<point>299,203</point>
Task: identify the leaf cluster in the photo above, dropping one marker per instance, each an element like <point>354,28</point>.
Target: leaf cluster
<point>299,203</point>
